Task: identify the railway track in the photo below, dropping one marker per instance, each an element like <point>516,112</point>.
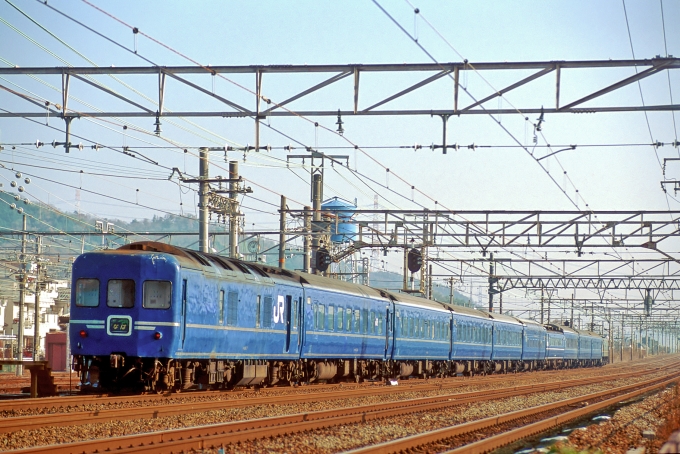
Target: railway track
<point>229,433</point>
<point>492,433</point>
<point>102,400</point>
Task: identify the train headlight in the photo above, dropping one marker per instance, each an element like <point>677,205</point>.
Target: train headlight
<point>157,335</point>
<point>83,333</point>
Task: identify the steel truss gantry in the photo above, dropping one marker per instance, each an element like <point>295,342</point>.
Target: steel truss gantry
<point>364,72</point>
<point>488,229</point>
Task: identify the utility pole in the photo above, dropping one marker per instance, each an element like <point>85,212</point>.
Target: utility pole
<point>317,194</point>
<point>610,349</point>
<point>492,280</point>
<point>233,209</point>
<point>22,298</point>
<point>36,324</point>
<point>307,241</point>
<point>282,234</point>
<point>500,303</point>
<point>423,255</point>
<point>203,189</point>
<point>451,290</point>
<point>623,336</point>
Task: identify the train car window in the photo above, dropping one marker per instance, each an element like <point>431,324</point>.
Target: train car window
<point>426,329</point>
<point>120,293</point>
<point>372,323</point>
<point>348,320</point>
<point>267,312</point>
<point>339,318</point>
<point>315,312</point>
<point>357,321</point>
<point>331,320</point>
<point>258,310</point>
<point>365,315</point>
<point>157,294</point>
<point>87,292</point>
<point>232,308</point>
<point>410,326</point>
<point>322,317</point>
<point>220,307</point>
<point>380,322</point>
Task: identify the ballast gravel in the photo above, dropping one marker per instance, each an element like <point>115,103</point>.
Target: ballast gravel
<point>330,440</point>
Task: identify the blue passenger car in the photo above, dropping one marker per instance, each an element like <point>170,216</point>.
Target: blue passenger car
<point>507,342</point>
<point>533,344</point>
<point>160,317</point>
<point>554,350</point>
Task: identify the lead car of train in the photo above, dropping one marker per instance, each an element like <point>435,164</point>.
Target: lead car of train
<point>157,317</point>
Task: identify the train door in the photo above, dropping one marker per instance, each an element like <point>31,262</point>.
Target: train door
<point>389,333</point>
<point>288,317</point>
<point>297,322</point>
<point>184,311</point>
<point>450,326</point>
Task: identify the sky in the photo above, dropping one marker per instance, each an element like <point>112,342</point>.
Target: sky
<point>109,184</point>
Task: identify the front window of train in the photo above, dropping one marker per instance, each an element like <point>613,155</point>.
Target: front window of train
<point>158,294</point>
<point>87,292</point>
<point>121,293</point>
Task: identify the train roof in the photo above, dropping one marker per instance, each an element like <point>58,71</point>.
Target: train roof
<point>421,302</point>
<point>554,328</point>
<point>528,322</point>
<point>313,280</point>
<point>206,260</point>
<point>585,332</point>
<point>504,318</point>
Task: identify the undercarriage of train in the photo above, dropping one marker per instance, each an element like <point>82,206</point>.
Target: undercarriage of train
<point>118,373</point>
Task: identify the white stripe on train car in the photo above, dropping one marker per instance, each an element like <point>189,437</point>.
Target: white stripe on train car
<point>157,323</point>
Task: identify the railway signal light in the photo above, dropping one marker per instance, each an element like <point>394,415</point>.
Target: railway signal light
<point>415,260</point>
<point>323,259</point>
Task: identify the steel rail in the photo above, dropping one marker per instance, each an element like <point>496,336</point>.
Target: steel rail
<point>207,436</point>
<point>496,441</point>
<point>431,384</point>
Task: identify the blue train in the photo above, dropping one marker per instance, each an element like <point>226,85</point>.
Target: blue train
<point>159,317</point>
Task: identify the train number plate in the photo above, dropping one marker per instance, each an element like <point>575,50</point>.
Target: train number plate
<point>119,325</point>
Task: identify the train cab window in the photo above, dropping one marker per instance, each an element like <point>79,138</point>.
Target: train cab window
<point>357,321</point>
<point>348,320</point>
<point>157,294</point>
<point>120,293</point>
<point>267,312</point>
<point>87,292</point>
<point>331,320</point>
<point>232,308</point>
<point>258,310</point>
